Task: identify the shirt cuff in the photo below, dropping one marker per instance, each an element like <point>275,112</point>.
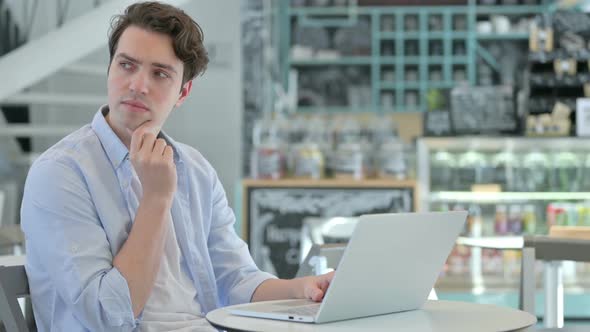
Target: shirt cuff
<point>245,290</point>
<point>115,299</point>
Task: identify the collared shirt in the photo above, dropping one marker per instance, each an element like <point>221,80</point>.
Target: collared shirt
<point>76,217</point>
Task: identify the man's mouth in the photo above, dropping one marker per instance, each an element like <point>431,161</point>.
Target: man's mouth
<point>136,106</point>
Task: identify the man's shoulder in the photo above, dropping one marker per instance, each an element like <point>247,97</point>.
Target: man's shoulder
<point>191,154</point>
<point>72,149</point>
<point>194,157</point>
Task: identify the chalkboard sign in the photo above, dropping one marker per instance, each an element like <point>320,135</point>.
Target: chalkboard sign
<point>437,123</point>
<point>488,109</point>
<point>275,216</point>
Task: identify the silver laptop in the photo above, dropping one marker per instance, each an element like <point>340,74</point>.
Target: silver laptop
<point>390,265</point>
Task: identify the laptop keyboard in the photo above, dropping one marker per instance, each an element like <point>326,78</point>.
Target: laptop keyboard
<point>306,310</point>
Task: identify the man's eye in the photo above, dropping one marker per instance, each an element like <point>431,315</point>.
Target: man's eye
<point>126,65</point>
<point>162,74</point>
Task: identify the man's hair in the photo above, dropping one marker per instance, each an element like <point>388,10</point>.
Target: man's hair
<point>187,36</point>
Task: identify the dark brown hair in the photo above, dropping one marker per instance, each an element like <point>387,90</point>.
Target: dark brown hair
<point>187,36</point>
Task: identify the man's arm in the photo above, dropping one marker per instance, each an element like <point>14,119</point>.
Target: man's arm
<point>139,258</point>
<point>66,242</point>
<point>313,288</point>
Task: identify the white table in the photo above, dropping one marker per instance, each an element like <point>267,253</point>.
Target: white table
<point>434,316</point>
<point>553,281</point>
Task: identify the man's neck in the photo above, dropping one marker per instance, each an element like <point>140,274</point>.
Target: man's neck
<point>122,134</point>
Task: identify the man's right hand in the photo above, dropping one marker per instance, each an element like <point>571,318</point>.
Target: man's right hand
<point>153,161</point>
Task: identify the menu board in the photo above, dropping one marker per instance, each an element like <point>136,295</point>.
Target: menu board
<point>487,109</point>
<point>275,215</point>
<point>437,123</point>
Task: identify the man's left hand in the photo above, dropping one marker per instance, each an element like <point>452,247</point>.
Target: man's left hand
<point>315,287</point>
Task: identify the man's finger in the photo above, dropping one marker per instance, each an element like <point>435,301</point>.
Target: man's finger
<point>149,140</point>
<point>136,140</point>
<point>168,153</point>
<point>159,146</point>
<point>138,134</point>
<point>137,137</point>
<point>317,295</point>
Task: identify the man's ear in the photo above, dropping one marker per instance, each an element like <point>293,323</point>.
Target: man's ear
<point>184,92</point>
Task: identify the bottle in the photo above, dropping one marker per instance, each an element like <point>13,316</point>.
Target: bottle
<point>529,219</point>
<point>501,220</point>
<point>515,220</point>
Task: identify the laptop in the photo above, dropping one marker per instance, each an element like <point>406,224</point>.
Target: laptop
<point>389,265</point>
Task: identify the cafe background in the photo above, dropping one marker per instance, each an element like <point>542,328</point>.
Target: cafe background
<point>314,112</point>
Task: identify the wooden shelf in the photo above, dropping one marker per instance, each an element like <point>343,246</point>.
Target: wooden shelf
<point>330,183</point>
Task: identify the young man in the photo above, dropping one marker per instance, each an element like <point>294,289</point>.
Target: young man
<point>127,229</point>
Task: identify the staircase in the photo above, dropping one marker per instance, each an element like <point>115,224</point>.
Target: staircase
<point>51,83</point>
<point>59,55</point>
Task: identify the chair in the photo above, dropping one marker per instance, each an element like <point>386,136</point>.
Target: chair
<point>551,250</point>
<point>14,285</point>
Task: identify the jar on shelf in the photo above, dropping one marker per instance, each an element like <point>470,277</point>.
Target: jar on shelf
<point>392,160</point>
<point>504,166</point>
<point>347,161</point>
<point>566,174</point>
<point>308,161</point>
<point>473,168</point>
<point>381,130</point>
<point>267,159</point>
<point>442,171</point>
<point>348,158</point>
<point>534,172</point>
<point>585,182</point>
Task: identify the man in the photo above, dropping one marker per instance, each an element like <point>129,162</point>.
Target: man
<point>127,229</point>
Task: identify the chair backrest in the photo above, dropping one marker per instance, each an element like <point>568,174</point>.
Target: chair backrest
<point>2,194</point>
<point>14,285</point>
<point>321,257</point>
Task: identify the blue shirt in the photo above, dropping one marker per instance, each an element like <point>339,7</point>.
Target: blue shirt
<point>76,218</point>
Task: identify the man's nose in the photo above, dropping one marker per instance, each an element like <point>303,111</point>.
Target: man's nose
<point>139,83</point>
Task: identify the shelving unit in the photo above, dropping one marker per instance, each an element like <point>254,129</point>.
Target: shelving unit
<point>413,48</point>
<point>484,274</point>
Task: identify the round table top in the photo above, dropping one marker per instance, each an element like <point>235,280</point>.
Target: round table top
<point>434,316</point>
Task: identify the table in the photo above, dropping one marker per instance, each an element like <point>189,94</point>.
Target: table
<point>553,281</point>
<point>434,316</point>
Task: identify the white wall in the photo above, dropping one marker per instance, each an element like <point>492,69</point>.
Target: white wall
<point>210,119</point>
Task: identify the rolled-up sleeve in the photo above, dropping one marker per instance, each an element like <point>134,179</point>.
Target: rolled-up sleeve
<point>65,236</point>
<point>236,273</point>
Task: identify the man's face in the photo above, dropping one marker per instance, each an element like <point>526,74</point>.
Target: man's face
<point>144,82</point>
